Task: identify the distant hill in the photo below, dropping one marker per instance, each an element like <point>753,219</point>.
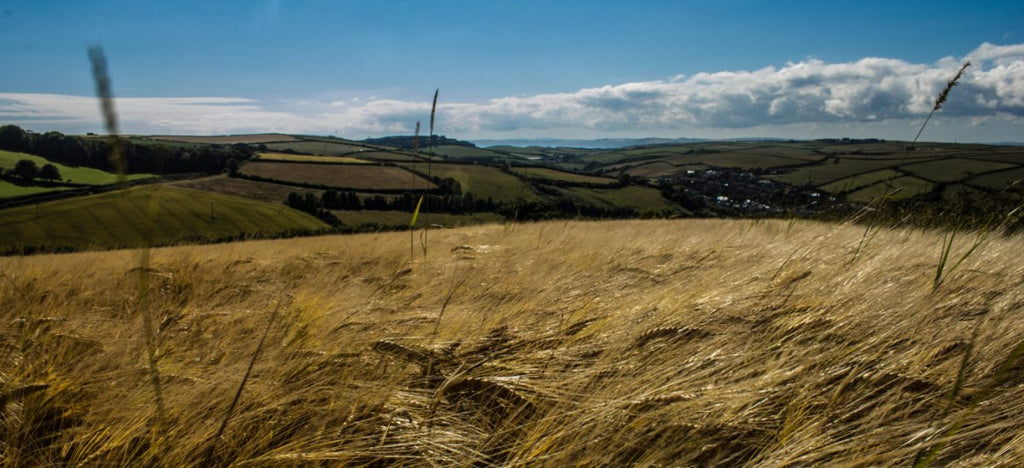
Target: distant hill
<point>406,141</point>
<point>602,143</point>
<point>608,143</point>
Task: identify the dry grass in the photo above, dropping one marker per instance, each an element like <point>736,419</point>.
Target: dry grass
<point>563,343</point>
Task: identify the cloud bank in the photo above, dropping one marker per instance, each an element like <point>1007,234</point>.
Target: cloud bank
<point>869,93</point>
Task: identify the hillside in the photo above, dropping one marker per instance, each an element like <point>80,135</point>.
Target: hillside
<point>147,215</point>
<point>666,342</point>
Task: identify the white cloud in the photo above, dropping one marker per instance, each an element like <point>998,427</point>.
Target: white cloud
<point>807,94</point>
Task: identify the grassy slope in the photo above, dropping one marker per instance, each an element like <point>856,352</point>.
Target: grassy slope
<point>563,343</point>
<point>121,218</point>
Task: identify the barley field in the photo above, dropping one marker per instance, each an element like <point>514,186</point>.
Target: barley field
<point>665,342</point>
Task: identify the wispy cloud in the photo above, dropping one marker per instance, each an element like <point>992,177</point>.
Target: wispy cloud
<point>809,93</point>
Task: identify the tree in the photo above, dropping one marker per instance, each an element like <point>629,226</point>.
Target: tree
<point>49,172</point>
<point>232,166</point>
<point>26,169</point>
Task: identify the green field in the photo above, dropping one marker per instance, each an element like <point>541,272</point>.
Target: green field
<point>862,180</point>
<point>1000,180</point>
<point>402,218</point>
<point>903,187</point>
<point>309,158</point>
<point>78,175</point>
<point>123,219</point>
<point>483,181</point>
<point>953,169</point>
<point>8,189</point>
<point>544,173</point>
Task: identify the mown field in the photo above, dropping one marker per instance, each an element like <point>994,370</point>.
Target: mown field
<point>147,215</point>
<point>654,343</point>
<point>341,176</point>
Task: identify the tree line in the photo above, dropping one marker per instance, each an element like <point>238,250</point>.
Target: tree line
<point>94,152</point>
<point>26,170</point>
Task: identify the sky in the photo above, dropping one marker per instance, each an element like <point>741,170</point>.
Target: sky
<point>520,69</point>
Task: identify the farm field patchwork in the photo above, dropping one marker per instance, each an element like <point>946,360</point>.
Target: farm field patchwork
<point>341,176</point>
<point>953,169</point>
<point>830,172</point>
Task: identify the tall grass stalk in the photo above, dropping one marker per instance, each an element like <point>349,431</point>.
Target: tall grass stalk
<point>433,141</point>
<point>106,97</point>
<point>941,271</point>
<point>941,99</point>
<point>245,378</point>
<point>416,210</point>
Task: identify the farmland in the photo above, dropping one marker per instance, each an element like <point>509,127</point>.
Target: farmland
<point>698,179</point>
<point>341,176</point>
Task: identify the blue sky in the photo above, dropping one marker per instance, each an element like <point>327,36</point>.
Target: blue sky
<point>567,69</point>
